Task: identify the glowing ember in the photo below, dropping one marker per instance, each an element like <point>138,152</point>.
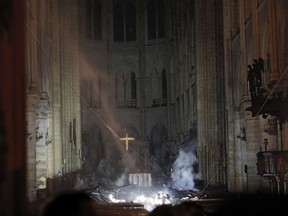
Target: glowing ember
<point>156,199</point>
<point>112,199</point>
<point>149,202</point>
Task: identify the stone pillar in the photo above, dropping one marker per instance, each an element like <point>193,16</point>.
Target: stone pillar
<point>31,46</point>
<point>210,87</point>
<point>41,136</point>
<point>69,86</point>
<point>31,106</point>
<point>50,146</point>
<point>32,98</point>
<point>56,99</point>
<point>253,134</point>
<point>229,109</point>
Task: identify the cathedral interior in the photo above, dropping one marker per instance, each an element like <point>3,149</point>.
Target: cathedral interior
<point>183,94</point>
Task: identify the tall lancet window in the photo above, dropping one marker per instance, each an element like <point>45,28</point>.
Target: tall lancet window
<point>120,89</point>
<point>133,86</point>
<point>124,20</point>
<point>126,90</point>
<point>118,20</point>
<point>164,87</point>
<point>130,22</point>
<point>93,20</point>
<point>156,17</point>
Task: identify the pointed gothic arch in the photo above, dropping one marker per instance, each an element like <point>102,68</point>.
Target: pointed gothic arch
<point>93,148</point>
<point>158,142</point>
<point>126,89</point>
<point>128,128</point>
<point>120,88</point>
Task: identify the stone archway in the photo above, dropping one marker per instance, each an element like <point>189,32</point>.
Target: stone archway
<point>127,154</point>
<point>93,150</point>
<point>158,143</point>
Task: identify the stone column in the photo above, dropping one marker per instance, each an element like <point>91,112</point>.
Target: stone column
<point>55,156</point>
<point>210,87</point>
<point>31,106</point>
<point>31,46</point>
<point>41,131</point>
<point>32,99</point>
<point>69,87</point>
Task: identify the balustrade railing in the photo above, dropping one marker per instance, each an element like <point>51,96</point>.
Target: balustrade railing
<point>273,165</point>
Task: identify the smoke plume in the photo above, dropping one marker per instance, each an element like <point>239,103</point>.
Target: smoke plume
<point>183,173</point>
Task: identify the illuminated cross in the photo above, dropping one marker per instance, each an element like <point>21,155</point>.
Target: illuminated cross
<point>126,139</point>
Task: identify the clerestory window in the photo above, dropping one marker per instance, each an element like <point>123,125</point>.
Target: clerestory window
<point>93,20</point>
<point>124,21</point>
<point>155,19</point>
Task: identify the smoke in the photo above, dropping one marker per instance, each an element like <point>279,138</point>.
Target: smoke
<point>121,180</point>
<point>127,165</point>
<point>183,173</point>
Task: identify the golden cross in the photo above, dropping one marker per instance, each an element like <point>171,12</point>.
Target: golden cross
<point>126,139</point>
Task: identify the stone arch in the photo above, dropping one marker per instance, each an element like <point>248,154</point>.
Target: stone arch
<point>128,159</point>
<point>120,82</point>
<point>158,143</point>
<point>128,128</point>
<point>126,86</point>
<point>93,148</point>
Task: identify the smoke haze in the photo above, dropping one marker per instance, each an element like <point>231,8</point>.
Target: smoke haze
<point>183,173</point>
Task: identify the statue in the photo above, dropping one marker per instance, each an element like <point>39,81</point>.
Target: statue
<point>252,81</point>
